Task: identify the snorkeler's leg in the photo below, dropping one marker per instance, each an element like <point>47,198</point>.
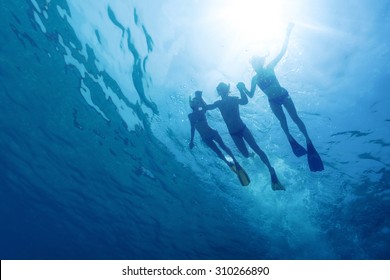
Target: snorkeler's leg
<point>214,147</point>
<point>313,158</point>
<point>222,144</point>
<point>252,143</point>
<point>235,167</point>
<point>278,112</point>
<point>275,183</point>
<point>290,107</point>
<point>240,144</point>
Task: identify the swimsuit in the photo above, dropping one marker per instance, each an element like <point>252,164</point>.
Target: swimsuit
<point>267,80</point>
<point>279,100</point>
<point>239,133</point>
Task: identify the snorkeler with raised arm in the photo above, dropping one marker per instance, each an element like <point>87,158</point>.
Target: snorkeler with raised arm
<point>278,97</point>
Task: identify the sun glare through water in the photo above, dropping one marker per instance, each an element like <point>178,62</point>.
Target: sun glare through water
<point>255,21</point>
<point>236,30</point>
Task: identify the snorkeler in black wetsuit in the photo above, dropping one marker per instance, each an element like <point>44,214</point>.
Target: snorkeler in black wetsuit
<point>210,136</point>
<point>229,108</point>
<point>278,96</point>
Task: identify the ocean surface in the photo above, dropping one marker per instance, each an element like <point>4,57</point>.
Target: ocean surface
<point>94,135</point>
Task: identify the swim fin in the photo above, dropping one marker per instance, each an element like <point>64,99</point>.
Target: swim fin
<point>241,174</point>
<point>314,159</point>
<point>276,185</point>
<point>297,148</point>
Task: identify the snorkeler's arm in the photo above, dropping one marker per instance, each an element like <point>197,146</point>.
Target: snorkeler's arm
<point>241,87</point>
<point>253,87</point>
<point>210,106</point>
<point>192,133</point>
<point>276,60</point>
<point>244,99</point>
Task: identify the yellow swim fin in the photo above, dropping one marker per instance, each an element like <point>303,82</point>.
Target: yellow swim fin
<point>241,174</point>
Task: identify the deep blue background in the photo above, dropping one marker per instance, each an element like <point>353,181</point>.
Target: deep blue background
<point>76,186</point>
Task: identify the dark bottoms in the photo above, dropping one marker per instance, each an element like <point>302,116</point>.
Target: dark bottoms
<point>239,133</point>
<point>213,135</point>
<point>279,100</point>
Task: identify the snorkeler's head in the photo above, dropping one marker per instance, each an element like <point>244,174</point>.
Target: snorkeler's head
<point>257,62</point>
<point>223,89</point>
<point>198,94</point>
<point>194,103</point>
<point>197,101</point>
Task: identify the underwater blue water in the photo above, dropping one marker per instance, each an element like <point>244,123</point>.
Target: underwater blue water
<point>94,132</point>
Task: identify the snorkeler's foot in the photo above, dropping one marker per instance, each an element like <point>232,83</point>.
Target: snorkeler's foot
<point>297,148</point>
<point>276,185</point>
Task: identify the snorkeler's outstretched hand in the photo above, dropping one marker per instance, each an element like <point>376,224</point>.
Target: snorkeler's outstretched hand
<point>240,85</point>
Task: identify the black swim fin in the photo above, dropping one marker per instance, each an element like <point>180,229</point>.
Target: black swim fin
<point>241,174</point>
<point>276,185</point>
<point>314,159</point>
<point>297,148</point>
